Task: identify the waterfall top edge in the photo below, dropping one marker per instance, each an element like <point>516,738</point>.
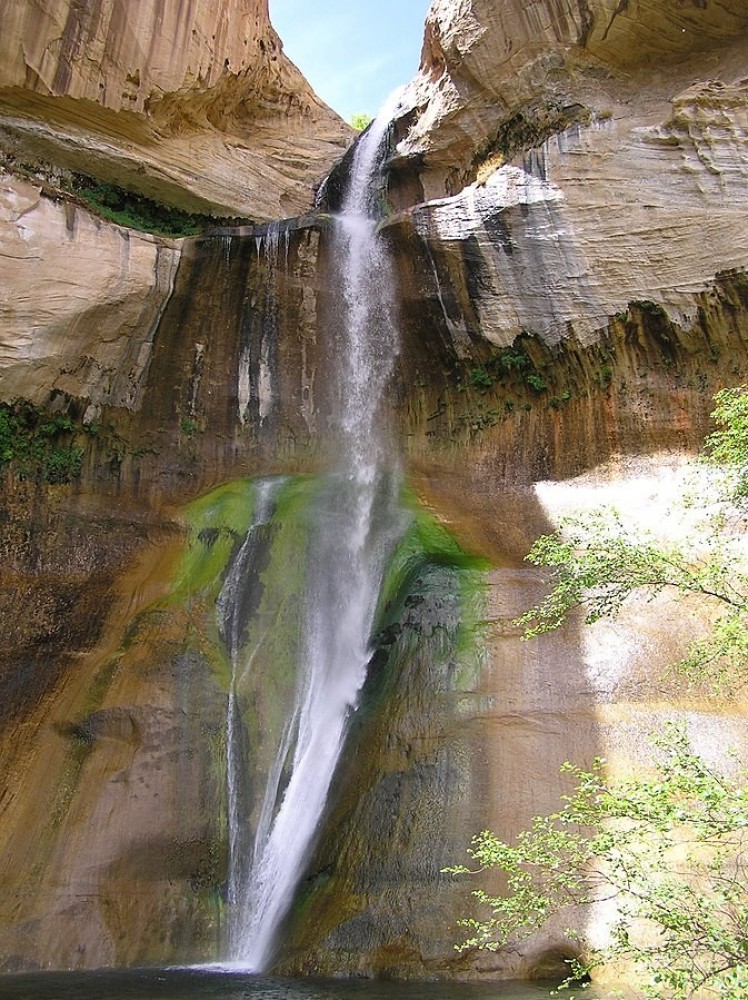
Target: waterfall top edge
<point>310,220</point>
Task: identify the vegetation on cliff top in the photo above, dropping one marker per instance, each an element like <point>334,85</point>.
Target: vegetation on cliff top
<point>361,121</point>
<point>660,859</point>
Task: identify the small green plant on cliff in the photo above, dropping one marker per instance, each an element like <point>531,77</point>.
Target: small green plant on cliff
<point>37,444</point>
<point>536,382</point>
<point>189,426</point>
<point>480,378</point>
<point>669,851</point>
<point>513,360</point>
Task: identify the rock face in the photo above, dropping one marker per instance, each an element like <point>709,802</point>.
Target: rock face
<point>498,80</point>
<point>191,104</point>
<point>569,186</point>
<point>80,300</point>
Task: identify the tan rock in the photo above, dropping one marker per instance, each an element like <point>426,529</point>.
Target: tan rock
<point>80,300</point>
<point>192,104</point>
<point>574,181</point>
<point>601,215</point>
<point>483,64</point>
<point>594,154</point>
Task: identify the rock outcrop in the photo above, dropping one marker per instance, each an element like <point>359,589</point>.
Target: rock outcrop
<point>194,105</point>
<point>80,300</point>
<point>497,80</point>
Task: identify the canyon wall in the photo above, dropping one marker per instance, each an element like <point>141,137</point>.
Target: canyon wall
<point>194,105</point>
<point>568,188</point>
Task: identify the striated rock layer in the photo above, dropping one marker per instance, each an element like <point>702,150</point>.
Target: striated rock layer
<point>498,79</point>
<point>191,104</point>
<point>80,300</point>
<point>569,195</point>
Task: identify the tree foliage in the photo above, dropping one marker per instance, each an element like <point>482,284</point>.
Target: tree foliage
<point>597,562</point>
<point>361,121</point>
<point>667,851</point>
<point>728,445</point>
<point>670,851</point>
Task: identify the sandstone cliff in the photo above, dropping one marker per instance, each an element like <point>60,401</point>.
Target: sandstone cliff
<point>192,104</point>
<point>498,79</point>
<point>569,223</point>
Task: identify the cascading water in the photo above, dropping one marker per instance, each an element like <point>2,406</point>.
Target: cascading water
<point>354,523</point>
<point>231,614</point>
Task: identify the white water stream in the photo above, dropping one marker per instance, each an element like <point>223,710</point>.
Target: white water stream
<point>355,522</point>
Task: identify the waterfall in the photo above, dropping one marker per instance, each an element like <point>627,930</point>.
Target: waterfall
<point>354,524</point>
<point>230,616</point>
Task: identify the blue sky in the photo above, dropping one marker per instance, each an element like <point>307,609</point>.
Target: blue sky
<point>353,52</point>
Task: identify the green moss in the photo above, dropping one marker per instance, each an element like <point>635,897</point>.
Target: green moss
<point>135,211</point>
<point>427,543</point>
<point>78,748</point>
<point>99,687</point>
<point>217,521</point>
<point>74,760</point>
<point>274,634</point>
<point>272,616</point>
<point>425,540</point>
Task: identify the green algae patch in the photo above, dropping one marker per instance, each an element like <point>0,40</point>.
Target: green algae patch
<point>271,629</point>
<point>255,649</point>
<point>426,540</point>
<point>217,522</point>
<point>425,547</point>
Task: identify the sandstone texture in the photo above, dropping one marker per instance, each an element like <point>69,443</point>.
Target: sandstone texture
<point>80,300</point>
<point>113,640</point>
<point>194,105</point>
<point>498,79</point>
<point>598,148</point>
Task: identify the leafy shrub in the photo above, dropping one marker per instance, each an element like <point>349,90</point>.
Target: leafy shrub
<point>480,377</point>
<point>63,464</point>
<point>536,382</point>
<point>35,442</point>
<point>513,361</point>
